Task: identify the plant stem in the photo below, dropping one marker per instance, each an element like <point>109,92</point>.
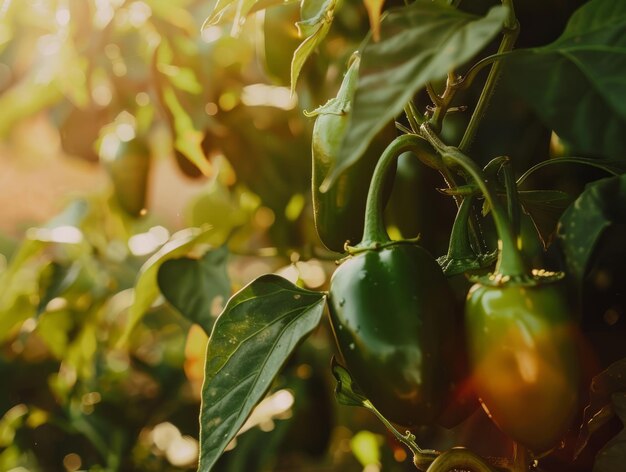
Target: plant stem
<point>423,455</point>
<point>598,163</point>
<point>442,103</point>
<point>510,262</point>
<point>459,246</point>
<point>512,198</point>
<point>409,112</point>
<point>508,41</point>
<point>467,80</point>
<point>432,94</point>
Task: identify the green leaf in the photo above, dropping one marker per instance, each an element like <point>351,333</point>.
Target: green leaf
<point>257,331</point>
<point>418,43</point>
<point>197,287</point>
<point>54,279</point>
<point>312,13</point>
<point>577,84</point>
<point>188,139</point>
<point>600,408</point>
<point>347,392</point>
<point>315,28</point>
<point>612,457</point>
<point>54,328</point>
<point>146,287</point>
<point>25,99</point>
<point>544,207</point>
<point>235,12</point>
<point>601,205</point>
<point>182,78</point>
<point>19,283</point>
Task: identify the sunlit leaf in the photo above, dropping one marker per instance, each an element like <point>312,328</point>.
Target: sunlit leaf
<point>316,29</point>
<point>188,139</point>
<point>146,287</point>
<point>194,286</point>
<point>312,13</point>
<point>236,12</point>
<point>182,78</point>
<point>576,84</point>
<point>418,43</point>
<point>176,15</point>
<point>601,205</point>
<point>222,206</point>
<point>24,99</point>
<point>259,328</point>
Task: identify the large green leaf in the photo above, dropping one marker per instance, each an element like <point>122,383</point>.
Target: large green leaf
<point>193,286</point>
<point>578,83</point>
<point>602,204</point>
<point>259,328</point>
<point>418,43</point>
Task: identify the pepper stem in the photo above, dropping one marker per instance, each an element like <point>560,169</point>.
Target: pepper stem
<point>510,261</point>
<point>374,232</point>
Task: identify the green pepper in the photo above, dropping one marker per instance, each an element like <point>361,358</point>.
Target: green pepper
<point>392,314</point>
<point>521,334</point>
<point>338,212</point>
<point>523,354</point>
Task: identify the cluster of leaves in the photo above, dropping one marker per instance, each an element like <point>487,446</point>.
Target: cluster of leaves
<point>102,372</point>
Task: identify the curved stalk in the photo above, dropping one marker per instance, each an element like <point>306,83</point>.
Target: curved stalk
<point>374,232</point>
<point>597,163</point>
<point>510,262</point>
<point>466,81</point>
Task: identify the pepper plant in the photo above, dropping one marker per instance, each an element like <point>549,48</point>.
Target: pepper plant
<point>391,305</point>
